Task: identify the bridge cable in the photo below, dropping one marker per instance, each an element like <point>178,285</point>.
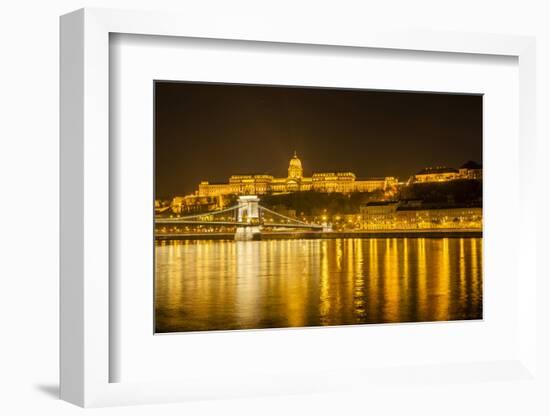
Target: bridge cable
<point>285,217</point>
<point>234,207</point>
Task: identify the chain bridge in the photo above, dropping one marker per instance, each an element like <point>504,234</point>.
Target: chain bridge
<point>248,217</point>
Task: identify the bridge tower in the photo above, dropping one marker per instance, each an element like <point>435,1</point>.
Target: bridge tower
<point>248,218</point>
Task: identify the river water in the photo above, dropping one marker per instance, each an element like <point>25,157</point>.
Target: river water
<point>221,285</point>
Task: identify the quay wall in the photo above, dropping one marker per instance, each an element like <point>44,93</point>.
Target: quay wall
<point>440,233</point>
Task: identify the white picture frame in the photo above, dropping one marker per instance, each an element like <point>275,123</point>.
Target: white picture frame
<point>85,221</point>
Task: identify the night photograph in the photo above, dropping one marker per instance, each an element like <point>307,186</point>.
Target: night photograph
<point>282,206</point>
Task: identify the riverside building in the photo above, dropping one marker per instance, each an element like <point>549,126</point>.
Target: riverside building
<point>390,216</point>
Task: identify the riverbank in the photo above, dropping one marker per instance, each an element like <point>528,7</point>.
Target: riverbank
<point>443,233</point>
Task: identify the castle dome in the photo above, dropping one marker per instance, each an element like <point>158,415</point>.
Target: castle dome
<point>295,162</point>
<point>295,167</point>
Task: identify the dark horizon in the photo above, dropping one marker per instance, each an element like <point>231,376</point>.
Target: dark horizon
<point>206,131</point>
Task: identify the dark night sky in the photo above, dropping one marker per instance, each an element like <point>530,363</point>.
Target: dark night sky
<point>211,131</point>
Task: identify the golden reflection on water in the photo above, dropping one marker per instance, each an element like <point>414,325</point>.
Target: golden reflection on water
<point>213,285</point>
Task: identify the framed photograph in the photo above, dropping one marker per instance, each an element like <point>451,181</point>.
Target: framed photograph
<point>244,214</point>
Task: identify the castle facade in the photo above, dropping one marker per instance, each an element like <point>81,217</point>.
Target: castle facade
<point>260,184</point>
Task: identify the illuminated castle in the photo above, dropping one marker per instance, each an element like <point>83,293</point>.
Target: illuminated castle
<point>343,182</point>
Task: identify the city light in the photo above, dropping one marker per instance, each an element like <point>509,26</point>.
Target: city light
<point>382,206</point>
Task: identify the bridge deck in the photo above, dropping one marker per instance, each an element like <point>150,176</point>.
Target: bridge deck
<point>180,221</point>
<point>234,223</point>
